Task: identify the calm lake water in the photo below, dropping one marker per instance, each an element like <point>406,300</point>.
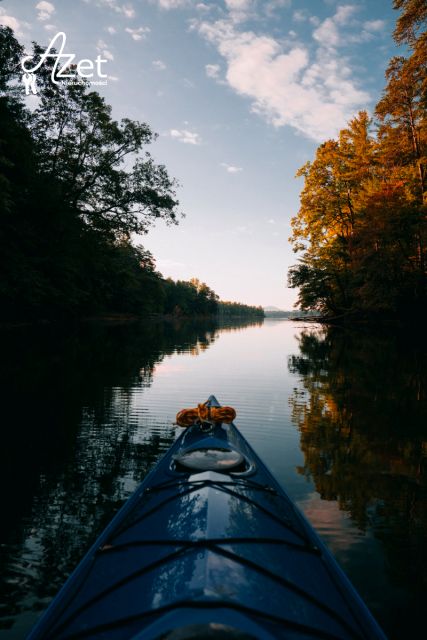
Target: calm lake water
<point>339,417</point>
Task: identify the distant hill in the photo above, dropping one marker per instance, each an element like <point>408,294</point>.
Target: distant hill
<point>272,309</point>
<point>275,312</point>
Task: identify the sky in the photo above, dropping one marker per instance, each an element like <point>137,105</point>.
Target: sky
<point>241,93</point>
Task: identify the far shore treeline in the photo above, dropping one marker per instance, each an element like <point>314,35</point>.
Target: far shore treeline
<point>69,207</point>
<point>362,224</point>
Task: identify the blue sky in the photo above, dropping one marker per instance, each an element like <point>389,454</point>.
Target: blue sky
<point>241,92</point>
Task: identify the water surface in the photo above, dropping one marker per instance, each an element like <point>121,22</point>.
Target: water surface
<point>340,418</point>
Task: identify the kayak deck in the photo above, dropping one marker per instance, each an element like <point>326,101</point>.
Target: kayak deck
<point>208,546</point>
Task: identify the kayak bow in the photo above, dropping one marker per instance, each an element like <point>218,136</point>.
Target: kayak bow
<point>209,546</point>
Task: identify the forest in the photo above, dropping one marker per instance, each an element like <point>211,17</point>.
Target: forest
<point>361,230</point>
<point>75,185</point>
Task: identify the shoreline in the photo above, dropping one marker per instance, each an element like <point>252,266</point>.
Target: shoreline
<point>119,318</point>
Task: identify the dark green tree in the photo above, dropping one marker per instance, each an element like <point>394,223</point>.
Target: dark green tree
<point>74,186</point>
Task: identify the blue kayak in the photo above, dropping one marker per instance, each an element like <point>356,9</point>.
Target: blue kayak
<point>209,546</point>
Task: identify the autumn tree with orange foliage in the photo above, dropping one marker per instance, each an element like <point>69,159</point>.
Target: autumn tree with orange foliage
<point>362,226</point>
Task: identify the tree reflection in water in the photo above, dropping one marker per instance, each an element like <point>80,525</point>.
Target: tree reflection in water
<point>71,450</point>
<point>362,414</point>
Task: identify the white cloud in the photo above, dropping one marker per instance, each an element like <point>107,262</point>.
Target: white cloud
<point>159,64</point>
<point>188,83</point>
<point>50,27</point>
<point>183,135</point>
<point>238,5</point>
<point>374,25</point>
<point>287,86</point>
<point>111,30</point>
<point>102,47</point>
<point>344,13</point>
<point>128,11</point>
<point>299,15</point>
<point>328,33</point>
<point>10,21</point>
<point>125,9</point>
<point>240,10</point>
<point>212,70</point>
<point>271,221</point>
<point>171,4</point>
<point>139,33</point>
<point>273,5</point>
<point>166,263</point>
<point>231,168</point>
<point>45,10</point>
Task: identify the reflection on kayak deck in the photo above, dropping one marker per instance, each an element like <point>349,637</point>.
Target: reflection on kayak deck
<point>228,547</point>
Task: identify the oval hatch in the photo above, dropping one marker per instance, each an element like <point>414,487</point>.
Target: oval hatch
<point>210,459</point>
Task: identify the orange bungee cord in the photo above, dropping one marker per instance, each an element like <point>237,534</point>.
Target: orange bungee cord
<point>205,413</point>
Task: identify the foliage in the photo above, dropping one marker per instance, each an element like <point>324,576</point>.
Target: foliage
<point>184,298</point>
<point>362,226</point>
<point>82,148</point>
<point>74,186</point>
<point>237,310</point>
<point>68,206</point>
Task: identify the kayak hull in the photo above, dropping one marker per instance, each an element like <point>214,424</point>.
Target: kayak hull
<point>208,546</point>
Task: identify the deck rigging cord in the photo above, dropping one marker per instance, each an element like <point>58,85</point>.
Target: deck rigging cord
<point>288,520</point>
<point>215,547</point>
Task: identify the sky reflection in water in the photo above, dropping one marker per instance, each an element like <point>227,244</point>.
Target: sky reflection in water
<point>339,418</point>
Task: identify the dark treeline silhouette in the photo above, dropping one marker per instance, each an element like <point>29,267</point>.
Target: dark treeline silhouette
<point>184,298</point>
<point>68,207</point>
<point>237,310</point>
<point>362,226</point>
